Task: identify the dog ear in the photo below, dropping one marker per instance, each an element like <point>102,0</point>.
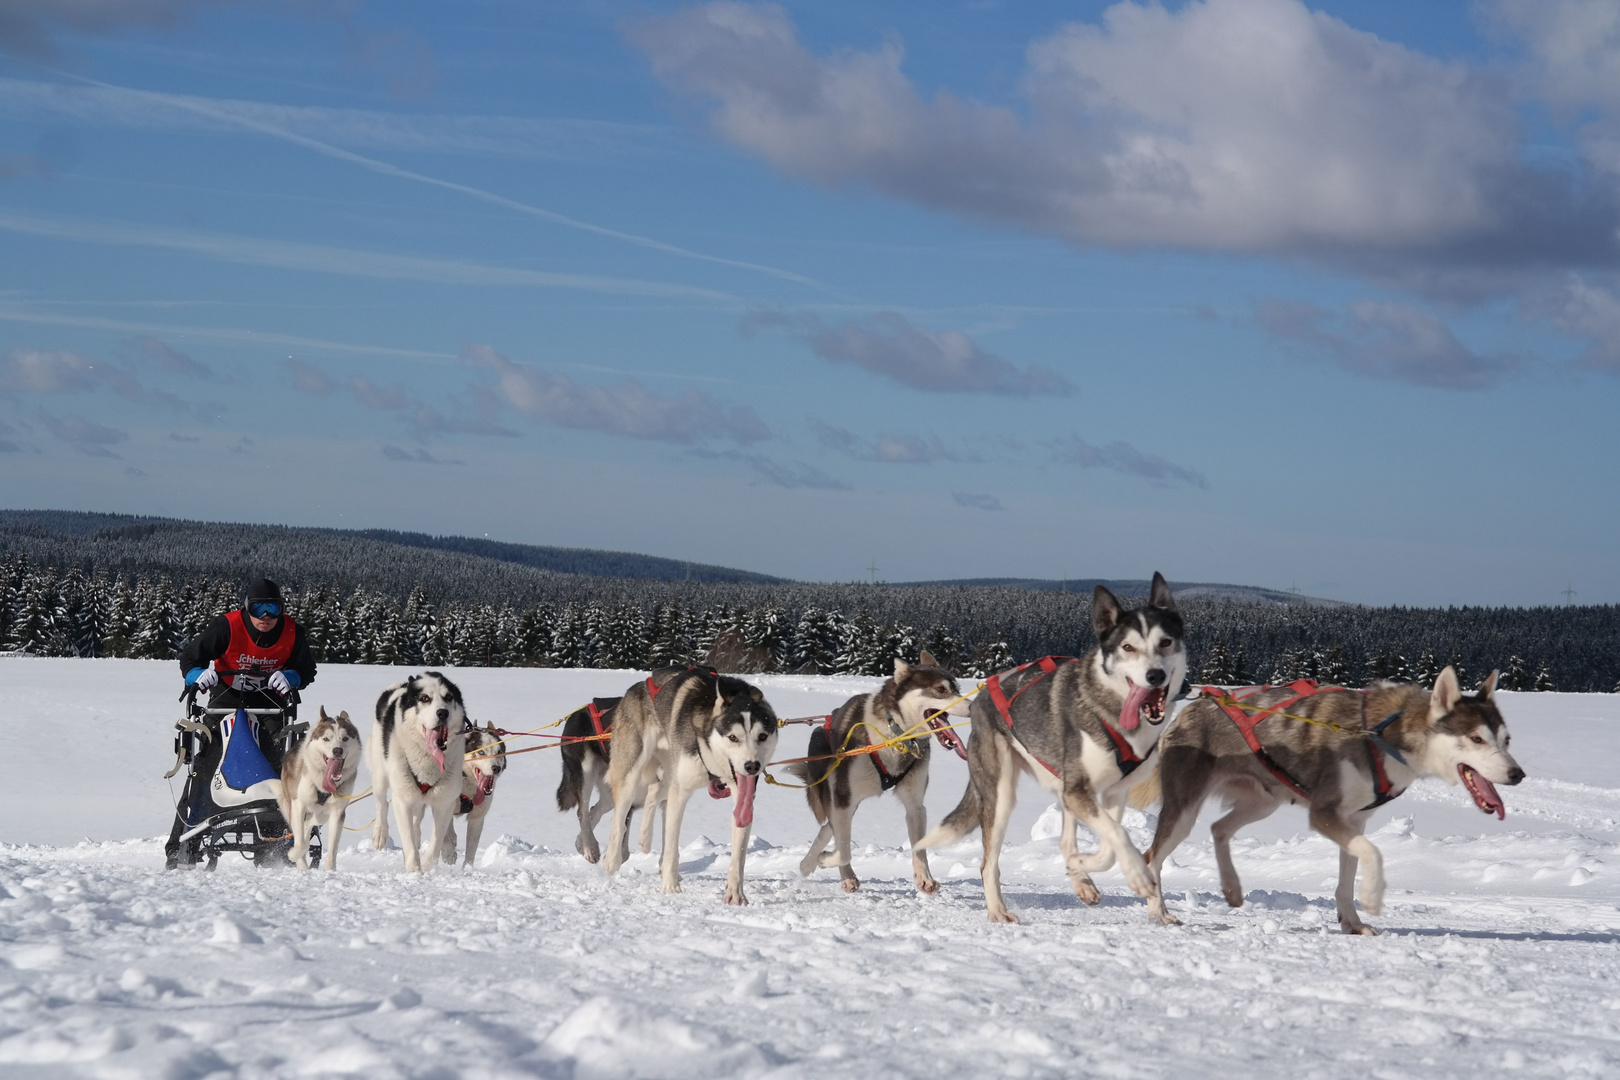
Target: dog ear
<point>927,659</point>
<point>1159,595</point>
<point>901,669</point>
<point>1445,695</point>
<point>1105,610</point>
<point>756,694</point>
<point>1487,689</point>
<point>324,717</point>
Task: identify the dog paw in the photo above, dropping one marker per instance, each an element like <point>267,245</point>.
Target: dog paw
<point>735,897</point>
<point>1164,918</point>
<point>927,886</point>
<point>1233,895</point>
<point>1357,928</point>
<point>851,884</point>
<point>670,887</point>
<point>1003,916</point>
<point>1087,891</point>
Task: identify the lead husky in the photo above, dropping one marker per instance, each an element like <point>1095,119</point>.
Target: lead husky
<point>416,749</point>
<point>686,729</point>
<point>901,705</point>
<point>318,778</point>
<point>1401,733</point>
<point>1078,726</point>
<point>483,764</point>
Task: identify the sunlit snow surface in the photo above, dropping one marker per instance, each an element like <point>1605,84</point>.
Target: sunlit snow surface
<point>1500,951</point>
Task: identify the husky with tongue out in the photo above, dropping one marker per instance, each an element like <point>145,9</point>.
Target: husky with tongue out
<point>1341,753</point>
<point>415,755</point>
<point>317,780</point>
<point>687,729</point>
<point>1086,729</point>
<point>483,765</point>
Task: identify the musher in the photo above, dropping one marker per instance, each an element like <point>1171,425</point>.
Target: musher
<point>270,657</point>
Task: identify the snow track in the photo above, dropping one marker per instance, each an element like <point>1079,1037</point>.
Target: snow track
<point>1500,951</point>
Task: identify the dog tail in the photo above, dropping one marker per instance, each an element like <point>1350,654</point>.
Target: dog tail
<point>957,824</point>
<point>816,793</point>
<point>1147,790</point>
<point>573,782</point>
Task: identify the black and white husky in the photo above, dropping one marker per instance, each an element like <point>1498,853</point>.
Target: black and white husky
<point>902,705</point>
<point>415,756</point>
<point>483,764</point>
<point>1353,751</point>
<point>1083,728</point>
<point>688,729</point>
<point>317,780</point>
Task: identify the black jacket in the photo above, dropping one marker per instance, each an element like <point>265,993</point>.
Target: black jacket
<point>211,644</point>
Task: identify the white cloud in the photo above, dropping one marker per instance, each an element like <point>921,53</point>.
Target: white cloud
<point>1251,126</point>
<point>1122,457</point>
<point>348,262</point>
<point>888,344</point>
<point>1386,341</point>
<point>626,408</point>
<point>40,371</point>
<point>27,27</point>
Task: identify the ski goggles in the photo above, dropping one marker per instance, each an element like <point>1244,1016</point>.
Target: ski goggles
<point>264,609</point>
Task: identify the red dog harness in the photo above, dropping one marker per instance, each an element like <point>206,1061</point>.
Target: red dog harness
<point>1125,756</point>
<point>596,719</point>
<point>1247,719</point>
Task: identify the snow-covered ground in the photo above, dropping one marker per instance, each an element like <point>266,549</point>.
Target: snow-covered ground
<point>1500,951</point>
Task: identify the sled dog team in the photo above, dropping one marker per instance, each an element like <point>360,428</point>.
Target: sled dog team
<point>1091,730</point>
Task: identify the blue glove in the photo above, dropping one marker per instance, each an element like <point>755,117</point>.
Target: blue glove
<point>283,681</point>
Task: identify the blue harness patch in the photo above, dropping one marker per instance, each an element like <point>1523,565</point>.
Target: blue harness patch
<point>243,764</point>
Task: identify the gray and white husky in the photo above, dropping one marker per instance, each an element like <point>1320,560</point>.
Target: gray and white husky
<point>836,788</point>
<point>317,780</point>
<point>687,729</point>
<point>585,757</point>
<point>1398,733</point>
<point>415,756</point>
<point>1085,729</point>
<point>483,764</point>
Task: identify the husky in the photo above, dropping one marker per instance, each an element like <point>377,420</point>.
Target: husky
<point>318,779</point>
<point>687,729</point>
<point>585,757</point>
<point>903,704</point>
<point>483,764</point>
<point>1084,728</point>
<point>416,751</point>
<point>1383,738</point>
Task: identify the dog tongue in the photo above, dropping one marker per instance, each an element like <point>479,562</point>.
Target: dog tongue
<point>1131,714</point>
<point>742,815</point>
<point>486,784</point>
<point>717,789</point>
<point>334,774</point>
<point>436,748</point>
<point>1484,793</point>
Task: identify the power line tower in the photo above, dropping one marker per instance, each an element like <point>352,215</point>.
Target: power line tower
<point>872,570</point>
<point>1569,594</point>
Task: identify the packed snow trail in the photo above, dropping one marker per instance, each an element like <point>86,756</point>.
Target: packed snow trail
<point>1500,951</point>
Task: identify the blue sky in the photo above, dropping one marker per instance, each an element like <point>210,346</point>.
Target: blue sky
<point>1239,290</point>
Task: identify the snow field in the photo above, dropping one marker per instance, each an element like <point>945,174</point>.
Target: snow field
<point>1500,951</point>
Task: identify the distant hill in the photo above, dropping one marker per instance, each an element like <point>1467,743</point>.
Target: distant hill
<point>457,567</point>
<point>1246,594</point>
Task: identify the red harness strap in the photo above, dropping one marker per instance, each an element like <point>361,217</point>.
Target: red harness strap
<point>1248,720</point>
<point>1125,755</point>
<point>596,718</point>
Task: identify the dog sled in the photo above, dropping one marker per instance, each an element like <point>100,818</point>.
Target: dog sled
<point>230,801</point>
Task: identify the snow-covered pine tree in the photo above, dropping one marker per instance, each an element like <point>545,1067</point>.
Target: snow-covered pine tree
<point>765,628</point>
<point>1427,670</point>
<point>1331,669</point>
<point>667,641</point>
<point>861,652</point>
<point>419,623</point>
<point>30,630</point>
<point>1514,676</point>
<point>1295,664</point>
<point>943,646</point>
<point>1544,680</point>
<point>622,638</point>
<point>1217,666</point>
<point>567,639</point>
<point>390,635</point>
<point>991,658</point>
<point>157,626</point>
<point>533,636</point>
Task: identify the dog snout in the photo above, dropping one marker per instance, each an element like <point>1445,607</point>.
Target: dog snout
<point>443,715</point>
<point>1155,677</point>
<point>1515,774</point>
<point>337,751</point>
<point>752,768</point>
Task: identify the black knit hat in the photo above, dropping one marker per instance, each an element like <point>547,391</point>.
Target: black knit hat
<point>262,589</point>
